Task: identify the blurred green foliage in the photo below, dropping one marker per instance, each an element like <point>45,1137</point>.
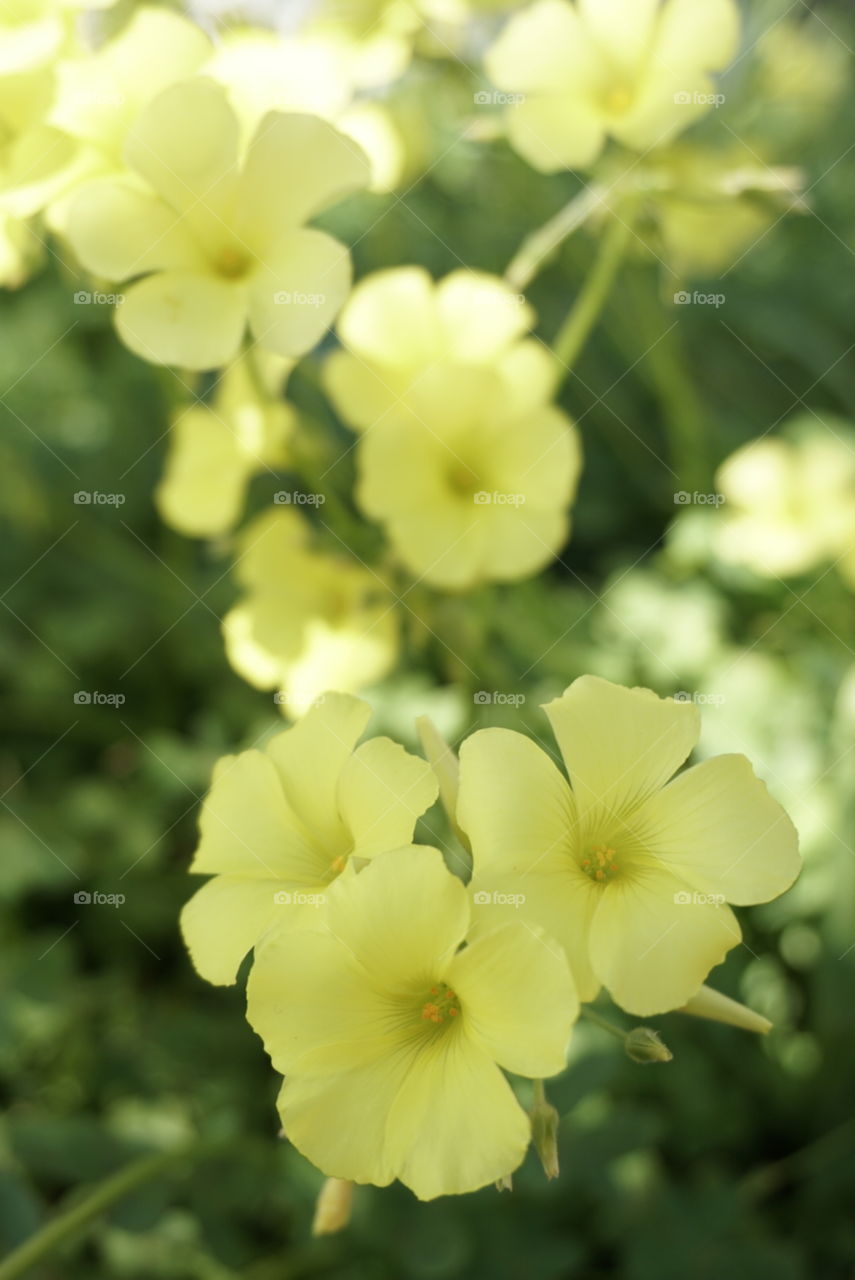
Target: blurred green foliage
<point>738,1157</point>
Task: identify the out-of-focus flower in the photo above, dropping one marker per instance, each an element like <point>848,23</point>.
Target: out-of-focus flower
<point>630,871</point>
<point>392,1040</point>
<point>216,448</point>
<point>33,33</point>
<point>307,621</point>
<point>20,251</point>
<point>219,245</point>
<point>638,71</point>
<point>279,825</point>
<point>789,500</point>
<point>34,157</point>
<point>463,459</point>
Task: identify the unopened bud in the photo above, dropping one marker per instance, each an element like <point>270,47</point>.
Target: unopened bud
<point>643,1045</point>
<point>711,1004</point>
<point>446,767</point>
<point>332,1210</point>
<point>544,1134</point>
<point>506,1183</point>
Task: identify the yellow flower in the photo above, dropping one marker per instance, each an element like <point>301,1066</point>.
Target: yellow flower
<point>219,244</point>
<point>279,825</point>
<point>637,71</point>
<point>307,621</point>
<point>34,32</point>
<point>630,871</point>
<point>216,448</point>
<point>34,157</point>
<point>391,1039</point>
<point>789,501</point>
<point>463,459</point>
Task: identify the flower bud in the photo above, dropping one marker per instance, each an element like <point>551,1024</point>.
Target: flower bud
<point>544,1135</point>
<point>718,1008</point>
<point>332,1210</point>
<point>643,1045</point>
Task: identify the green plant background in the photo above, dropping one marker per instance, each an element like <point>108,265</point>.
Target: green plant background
<point>738,1158</point>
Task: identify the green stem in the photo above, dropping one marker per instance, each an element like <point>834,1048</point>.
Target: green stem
<point>577,328</point>
<point>539,1092</point>
<point>537,247</point>
<point>599,1020</point>
<point>66,1224</point>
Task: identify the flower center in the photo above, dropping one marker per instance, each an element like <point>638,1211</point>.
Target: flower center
<point>441,1006</point>
<point>619,99</point>
<point>232,262</point>
<point>462,480</point>
<point>601,864</point>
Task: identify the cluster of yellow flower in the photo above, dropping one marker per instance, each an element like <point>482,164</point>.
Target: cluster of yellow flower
<point>185,172</point>
<point>389,994</point>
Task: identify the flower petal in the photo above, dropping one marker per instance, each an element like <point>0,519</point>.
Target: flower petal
<point>403,915</point>
<point>362,393</point>
<point>183,318</point>
<point>391,317</point>
<point>296,293</point>
<point>480,314</point>
<point>517,998</point>
<point>619,745</point>
<point>118,230</point>
<point>381,792</point>
<point>718,828</point>
<point>556,131</point>
<point>543,46</point>
<point>653,942</point>
<point>224,920</point>
<point>202,490</point>
<point>296,166</point>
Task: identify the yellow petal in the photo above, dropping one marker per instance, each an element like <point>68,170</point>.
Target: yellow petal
<point>382,791</point>
<point>543,47</point>
<point>362,393</point>
<point>224,920</point>
<point>481,315</point>
<point>653,943</point>
<point>202,490</point>
<point>391,317</point>
<point>296,293</point>
<point>556,131</point>
<point>619,745</point>
<point>717,827</point>
<point>518,998</point>
<point>183,318</point>
<point>118,230</point>
<point>622,28</point>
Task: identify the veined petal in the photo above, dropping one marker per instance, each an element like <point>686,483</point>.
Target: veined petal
<point>225,919</point>
<point>314,1009</point>
<point>309,759</point>
<point>404,915</point>
<point>455,1124</point>
<point>717,827</point>
<point>391,317</point>
<point>381,792</point>
<point>514,805</point>
<point>518,999</point>
<point>247,827</point>
<point>296,166</point>
<point>619,745</point>
<point>297,291</point>
<point>118,230</point>
<point>653,942</point>
<point>183,318</point>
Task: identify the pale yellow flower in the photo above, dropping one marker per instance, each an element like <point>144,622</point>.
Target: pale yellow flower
<point>392,1039</point>
<point>212,244</point>
<point>630,868</point>
<point>638,71</point>
<point>280,824</point>
<point>307,621</point>
<point>216,448</point>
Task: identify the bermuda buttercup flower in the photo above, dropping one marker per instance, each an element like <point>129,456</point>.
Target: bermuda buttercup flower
<point>307,620</point>
<point>628,866</point>
<point>279,825</point>
<point>392,1038</point>
<point>216,448</point>
<point>638,71</point>
<point>211,244</point>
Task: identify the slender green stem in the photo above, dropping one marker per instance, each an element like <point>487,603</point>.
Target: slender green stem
<point>592,1016</point>
<point>67,1224</point>
<point>539,1092</point>
<point>577,328</point>
<point>537,247</point>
